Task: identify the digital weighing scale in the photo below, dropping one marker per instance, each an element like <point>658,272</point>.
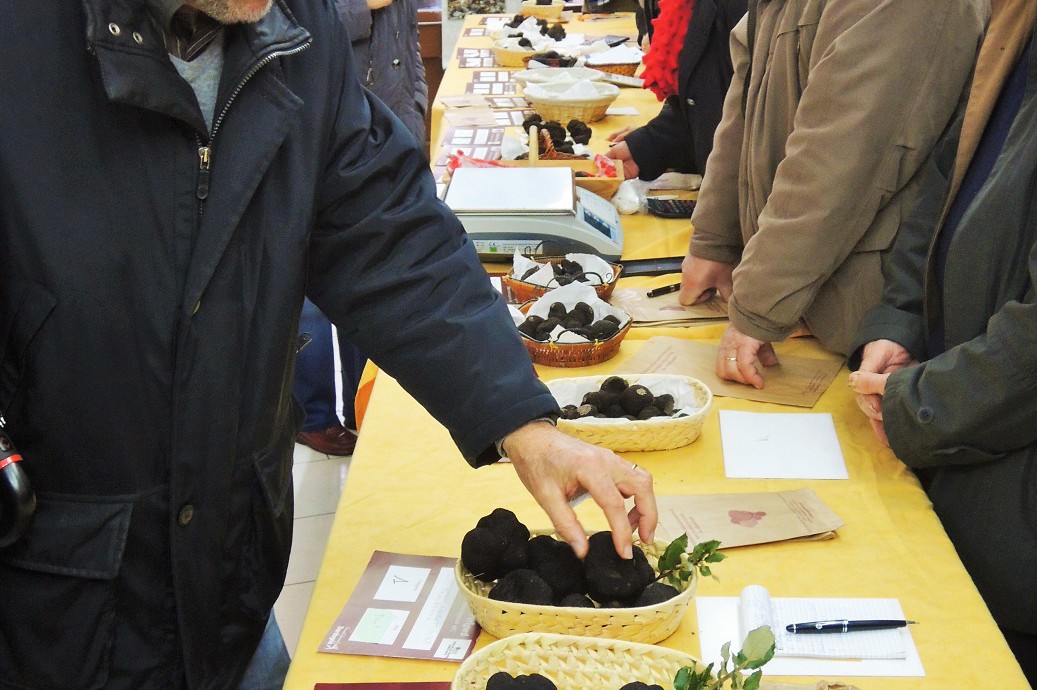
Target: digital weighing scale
<point>535,211</point>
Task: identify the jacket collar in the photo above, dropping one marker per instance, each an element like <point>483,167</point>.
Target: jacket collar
<point>135,67</point>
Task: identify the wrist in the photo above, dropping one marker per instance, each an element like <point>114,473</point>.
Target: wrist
<point>519,432</point>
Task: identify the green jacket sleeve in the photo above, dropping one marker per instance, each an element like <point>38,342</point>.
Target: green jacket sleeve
<point>899,316</point>
<point>975,402</point>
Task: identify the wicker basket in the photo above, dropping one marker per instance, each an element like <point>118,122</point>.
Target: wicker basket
<point>553,11</point>
<point>659,433</point>
<point>589,110</point>
<point>552,354</point>
<point>647,624</point>
<point>573,663</point>
<point>524,291</point>
<point>505,57</point>
<point>627,69</point>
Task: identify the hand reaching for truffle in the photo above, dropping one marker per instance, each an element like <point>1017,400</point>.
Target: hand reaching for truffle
<point>555,467</point>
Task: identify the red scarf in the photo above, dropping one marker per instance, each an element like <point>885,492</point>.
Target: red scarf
<point>661,60</point>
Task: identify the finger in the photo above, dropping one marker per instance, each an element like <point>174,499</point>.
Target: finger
<point>557,507</point>
<point>866,382</point>
<point>638,483</point>
<point>706,295</point>
<point>871,406</point>
<point>606,494</point>
<point>768,357</point>
<point>880,431</point>
<point>747,368</point>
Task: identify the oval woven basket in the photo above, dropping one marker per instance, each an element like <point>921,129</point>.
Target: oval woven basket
<point>524,291</point>
<point>563,111</point>
<point>552,354</point>
<point>648,624</point>
<point>529,8</point>
<point>505,57</point>
<point>658,433</point>
<point>573,663</point>
<point>627,69</point>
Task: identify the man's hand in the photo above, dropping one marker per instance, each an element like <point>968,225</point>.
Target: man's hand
<point>702,278</point>
<point>879,359</point>
<point>737,355</point>
<point>556,467</point>
<point>620,134</point>
<point>621,152</point>
<point>378,4</point>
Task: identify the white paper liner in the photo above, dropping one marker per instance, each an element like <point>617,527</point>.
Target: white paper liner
<point>621,54</point>
<point>594,266</point>
<point>581,90</point>
<point>571,392</point>
<point>569,295</point>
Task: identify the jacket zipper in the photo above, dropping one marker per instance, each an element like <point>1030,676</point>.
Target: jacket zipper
<point>205,147</point>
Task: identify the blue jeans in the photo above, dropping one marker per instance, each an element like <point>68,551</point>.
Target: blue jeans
<point>269,665</point>
<point>314,385</point>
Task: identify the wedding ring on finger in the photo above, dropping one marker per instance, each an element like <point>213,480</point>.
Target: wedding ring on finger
<point>730,359</point>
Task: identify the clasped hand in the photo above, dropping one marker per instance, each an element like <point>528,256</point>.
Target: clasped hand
<point>879,359</point>
<point>556,467</point>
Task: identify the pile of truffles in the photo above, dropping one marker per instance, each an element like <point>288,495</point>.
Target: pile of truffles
<point>562,138</point>
<point>616,399</point>
<point>553,58</point>
<point>534,681</point>
<point>555,32</point>
<point>579,320</point>
<point>546,571</point>
<point>566,271</point>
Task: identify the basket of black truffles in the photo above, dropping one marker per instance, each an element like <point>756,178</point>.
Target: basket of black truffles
<point>572,327</point>
<point>546,661</point>
<point>514,584</point>
<point>633,412</point>
<point>533,281</point>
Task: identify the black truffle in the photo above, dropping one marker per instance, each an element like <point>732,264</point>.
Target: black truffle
<point>557,564</point>
<point>636,685</point>
<point>482,553</point>
<point>610,577</point>
<point>578,601</point>
<point>507,523</point>
<point>665,403</point>
<point>614,384</point>
<point>522,586</point>
<point>635,398</point>
<point>655,593</point>
<point>557,310</point>
<point>584,312</point>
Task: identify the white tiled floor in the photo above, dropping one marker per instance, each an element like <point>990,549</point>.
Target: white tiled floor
<point>319,480</point>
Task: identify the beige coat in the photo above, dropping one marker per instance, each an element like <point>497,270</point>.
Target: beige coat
<point>846,99</point>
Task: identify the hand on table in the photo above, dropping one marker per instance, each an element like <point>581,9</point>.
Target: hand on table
<point>620,134</point>
<point>879,359</point>
<point>737,355</point>
<point>621,152</point>
<point>556,467</point>
<point>703,278</point>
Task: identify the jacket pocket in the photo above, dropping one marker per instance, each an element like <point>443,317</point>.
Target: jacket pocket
<point>264,560</point>
<point>29,310</point>
<point>57,587</point>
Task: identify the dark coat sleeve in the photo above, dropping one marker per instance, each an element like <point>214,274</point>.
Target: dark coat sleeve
<point>680,137</point>
<point>391,265</point>
<point>900,315</point>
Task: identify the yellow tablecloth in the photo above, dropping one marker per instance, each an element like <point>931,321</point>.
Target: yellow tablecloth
<point>409,491</point>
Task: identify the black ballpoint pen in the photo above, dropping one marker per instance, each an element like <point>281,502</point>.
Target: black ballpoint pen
<point>665,290</point>
<point>842,626</point>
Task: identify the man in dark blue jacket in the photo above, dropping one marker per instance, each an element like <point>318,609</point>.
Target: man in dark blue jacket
<point>170,188</point>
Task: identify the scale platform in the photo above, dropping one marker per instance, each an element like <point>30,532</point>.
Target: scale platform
<point>534,211</point>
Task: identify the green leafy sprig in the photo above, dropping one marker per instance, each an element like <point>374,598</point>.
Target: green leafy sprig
<point>677,565</point>
<point>758,650</point>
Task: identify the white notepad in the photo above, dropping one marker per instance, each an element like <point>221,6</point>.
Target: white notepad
<point>858,653</point>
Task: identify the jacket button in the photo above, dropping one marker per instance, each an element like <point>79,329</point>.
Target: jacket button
<point>691,102</point>
<point>185,515</point>
<point>396,63</point>
<point>925,414</point>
